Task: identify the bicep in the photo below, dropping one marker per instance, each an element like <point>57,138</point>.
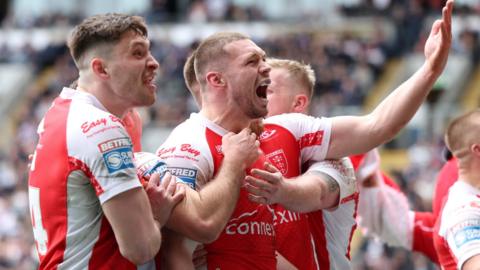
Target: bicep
<point>351,135</point>
<point>184,215</point>
<point>473,263</point>
<point>130,211</point>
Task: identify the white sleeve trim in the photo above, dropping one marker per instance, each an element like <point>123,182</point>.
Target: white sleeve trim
<point>117,189</point>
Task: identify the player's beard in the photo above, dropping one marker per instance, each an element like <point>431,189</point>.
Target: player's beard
<point>248,106</point>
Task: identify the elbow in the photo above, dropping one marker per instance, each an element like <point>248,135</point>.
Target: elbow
<point>208,231</point>
<point>137,257</point>
<point>140,253</point>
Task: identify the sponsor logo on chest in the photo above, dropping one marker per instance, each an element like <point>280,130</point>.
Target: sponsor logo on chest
<point>248,224</point>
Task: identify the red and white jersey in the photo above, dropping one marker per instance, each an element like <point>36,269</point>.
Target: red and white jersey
<point>332,230</point>
<point>248,240</point>
<point>289,142</point>
<point>447,176</point>
<point>457,232</point>
<point>83,159</point>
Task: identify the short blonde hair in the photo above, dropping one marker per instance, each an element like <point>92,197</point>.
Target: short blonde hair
<point>462,132</point>
<point>300,72</point>
<point>191,79</point>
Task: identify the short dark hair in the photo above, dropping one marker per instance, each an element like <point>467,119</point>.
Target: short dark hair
<point>103,29</point>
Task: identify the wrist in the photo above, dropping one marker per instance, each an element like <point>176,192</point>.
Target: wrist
<point>234,163</point>
<point>430,72</point>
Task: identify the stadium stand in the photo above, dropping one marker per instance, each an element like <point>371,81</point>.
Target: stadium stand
<point>354,47</point>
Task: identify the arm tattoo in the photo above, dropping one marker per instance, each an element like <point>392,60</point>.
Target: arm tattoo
<point>332,184</point>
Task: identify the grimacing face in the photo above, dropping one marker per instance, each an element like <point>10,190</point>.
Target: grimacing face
<point>248,78</point>
<point>133,69</point>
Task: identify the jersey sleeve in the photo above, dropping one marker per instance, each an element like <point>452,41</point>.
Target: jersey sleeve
<point>100,146</point>
<point>463,233</point>
<point>312,134</point>
<point>187,159</point>
<point>342,171</point>
<point>384,212</point>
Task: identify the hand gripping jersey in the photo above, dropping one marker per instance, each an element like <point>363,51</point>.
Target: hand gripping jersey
<point>248,240</point>
<point>83,159</point>
<point>332,229</point>
<point>457,232</point>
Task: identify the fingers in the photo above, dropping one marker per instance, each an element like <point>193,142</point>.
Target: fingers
<point>445,26</point>
<point>199,256</point>
<point>447,15</point>
<point>153,181</point>
<point>179,194</point>
<point>272,177</point>
<point>269,167</point>
<point>172,185</point>
<point>167,178</point>
<point>436,27</point>
<point>259,187</point>
<point>257,199</point>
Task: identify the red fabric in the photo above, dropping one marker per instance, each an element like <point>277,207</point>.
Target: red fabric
<point>446,178</point>
<point>133,124</point>
<point>423,235</point>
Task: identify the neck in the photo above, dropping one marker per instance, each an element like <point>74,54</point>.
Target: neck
<point>105,97</point>
<point>469,172</point>
<point>226,117</point>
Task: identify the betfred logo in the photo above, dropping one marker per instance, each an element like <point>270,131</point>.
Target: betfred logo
<point>183,172</point>
<point>117,154</point>
<point>185,175</point>
<point>114,144</point>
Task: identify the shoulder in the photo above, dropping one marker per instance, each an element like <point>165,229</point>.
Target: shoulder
<point>462,206</point>
<point>300,124</point>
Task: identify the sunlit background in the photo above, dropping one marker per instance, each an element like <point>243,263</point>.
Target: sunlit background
<point>359,49</point>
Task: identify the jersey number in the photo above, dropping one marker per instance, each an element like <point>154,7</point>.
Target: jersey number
<point>39,233</point>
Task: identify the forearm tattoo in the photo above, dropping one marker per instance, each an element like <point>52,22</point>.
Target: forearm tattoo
<point>332,184</point>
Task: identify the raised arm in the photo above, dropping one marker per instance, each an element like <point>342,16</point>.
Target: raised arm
<point>202,215</point>
<point>353,135</point>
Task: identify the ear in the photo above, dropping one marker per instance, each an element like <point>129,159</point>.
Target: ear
<point>215,79</point>
<point>300,103</point>
<point>475,149</point>
<point>98,67</point>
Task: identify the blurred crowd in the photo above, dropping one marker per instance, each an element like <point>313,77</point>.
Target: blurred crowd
<point>346,65</point>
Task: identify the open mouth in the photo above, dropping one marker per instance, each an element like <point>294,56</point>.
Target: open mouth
<point>261,90</point>
<point>150,80</point>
